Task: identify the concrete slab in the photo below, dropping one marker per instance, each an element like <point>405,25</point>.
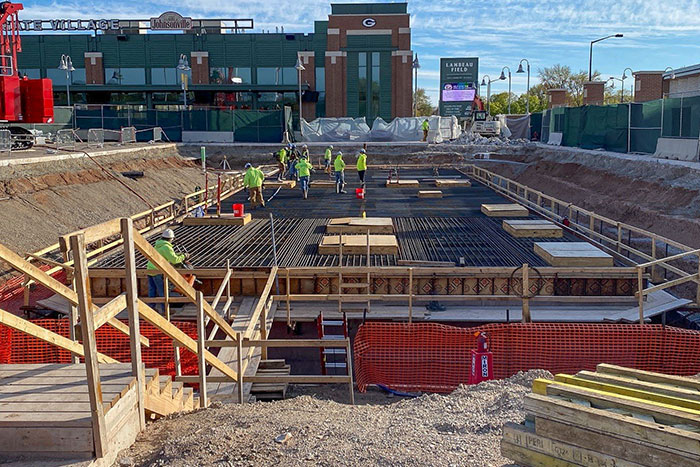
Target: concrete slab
<point>537,228</point>
<point>573,254</point>
<point>504,210</point>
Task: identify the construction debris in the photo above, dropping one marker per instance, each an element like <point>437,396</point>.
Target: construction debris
<point>463,427</point>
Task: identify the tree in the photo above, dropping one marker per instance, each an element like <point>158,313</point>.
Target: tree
<point>424,106</point>
<point>518,104</point>
<point>561,76</point>
<point>499,103</point>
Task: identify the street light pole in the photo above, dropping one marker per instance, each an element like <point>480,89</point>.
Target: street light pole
<point>624,77</point>
<point>67,64</point>
<point>488,91</point>
<point>622,92</point>
<point>520,70</point>
<point>416,65</point>
<point>590,54</point>
<point>300,67</point>
<point>502,77</point>
<point>183,65</point>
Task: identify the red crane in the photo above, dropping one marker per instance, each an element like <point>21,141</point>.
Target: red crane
<point>22,100</point>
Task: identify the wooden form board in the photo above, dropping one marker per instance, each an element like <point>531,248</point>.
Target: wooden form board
<point>614,421</point>
<point>357,245</point>
<point>572,254</point>
<point>430,194</point>
<point>375,225</point>
<point>526,228</point>
<point>402,183</point>
<point>328,183</point>
<point>446,183</point>
<point>280,183</point>
<point>504,210</point>
<point>225,219</point>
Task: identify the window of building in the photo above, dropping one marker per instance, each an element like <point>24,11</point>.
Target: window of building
<point>269,76</point>
<point>320,79</point>
<point>31,73</point>
<point>290,76</point>
<point>58,77</point>
<point>125,76</point>
<point>374,87</point>
<point>230,75</point>
<point>127,98</point>
<point>164,76</point>
<point>244,73</point>
<point>362,83</point>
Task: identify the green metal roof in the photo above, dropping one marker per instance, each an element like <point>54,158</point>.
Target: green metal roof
<point>368,8</point>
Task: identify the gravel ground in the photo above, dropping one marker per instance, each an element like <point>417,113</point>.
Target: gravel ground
<point>462,428</point>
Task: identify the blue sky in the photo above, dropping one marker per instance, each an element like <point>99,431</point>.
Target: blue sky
<point>657,33</point>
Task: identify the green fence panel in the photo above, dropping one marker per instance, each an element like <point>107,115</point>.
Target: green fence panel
<point>645,126</point>
<point>572,124</point>
<point>546,119</point>
<point>535,125</point>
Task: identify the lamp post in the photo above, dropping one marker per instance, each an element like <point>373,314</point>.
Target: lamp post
<point>520,70</point>
<point>183,65</point>
<point>67,65</point>
<point>590,53</point>
<point>502,77</point>
<point>622,92</point>
<point>488,91</point>
<point>300,67</point>
<point>624,77</point>
<point>416,65</point>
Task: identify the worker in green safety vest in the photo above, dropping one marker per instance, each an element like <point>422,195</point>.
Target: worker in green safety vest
<point>426,128</point>
<point>362,166</point>
<point>304,168</point>
<point>164,246</point>
<point>253,180</point>
<point>327,156</point>
<point>339,167</point>
<point>281,163</point>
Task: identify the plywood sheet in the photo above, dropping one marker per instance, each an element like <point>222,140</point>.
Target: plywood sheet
<point>532,228</point>
<point>504,210</point>
<point>225,219</point>
<point>280,183</point>
<point>375,225</point>
<point>357,245</point>
<point>430,194</point>
<point>452,183</point>
<point>402,184</point>
<point>572,254</point>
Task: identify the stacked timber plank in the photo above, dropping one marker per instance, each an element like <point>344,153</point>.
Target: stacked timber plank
<point>538,228</point>
<point>402,183</point>
<point>280,183</point>
<point>348,225</point>
<point>274,390</point>
<point>615,416</point>
<point>430,194</point>
<point>563,254</point>
<point>504,210</point>
<point>223,219</point>
<point>357,245</point>
<point>448,183</point>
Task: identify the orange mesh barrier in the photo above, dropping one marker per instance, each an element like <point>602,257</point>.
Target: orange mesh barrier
<point>18,347</point>
<point>434,357</point>
<point>13,286</point>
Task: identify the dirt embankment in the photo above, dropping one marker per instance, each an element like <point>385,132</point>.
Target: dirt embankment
<point>660,198</point>
<point>39,202</point>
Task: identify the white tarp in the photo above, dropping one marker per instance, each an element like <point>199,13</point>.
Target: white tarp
<point>399,129</point>
<point>335,129</point>
<point>519,126</point>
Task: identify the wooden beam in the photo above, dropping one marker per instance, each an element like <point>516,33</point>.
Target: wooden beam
<point>299,379</point>
<point>27,327</point>
<point>262,302</point>
<point>110,310</point>
<point>649,376</point>
<point>201,352</point>
<point>18,263</point>
<point>176,278</point>
<point>222,289</point>
<point>172,331</point>
<point>93,233</point>
<point>92,367</point>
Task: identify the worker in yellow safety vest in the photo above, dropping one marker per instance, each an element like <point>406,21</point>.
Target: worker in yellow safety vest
<point>281,163</point>
<point>339,167</point>
<point>253,180</point>
<point>304,168</point>
<point>362,166</point>
<point>164,246</point>
<point>426,128</point>
<point>327,156</point>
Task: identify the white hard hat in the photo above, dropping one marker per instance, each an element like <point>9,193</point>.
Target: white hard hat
<point>304,146</point>
<point>168,233</point>
<point>330,146</point>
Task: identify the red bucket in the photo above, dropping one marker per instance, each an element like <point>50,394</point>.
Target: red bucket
<point>238,210</point>
<point>360,193</point>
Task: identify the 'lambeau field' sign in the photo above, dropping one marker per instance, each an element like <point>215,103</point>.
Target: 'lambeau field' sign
<point>459,79</point>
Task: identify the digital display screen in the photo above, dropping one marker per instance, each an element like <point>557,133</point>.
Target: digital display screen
<point>457,92</point>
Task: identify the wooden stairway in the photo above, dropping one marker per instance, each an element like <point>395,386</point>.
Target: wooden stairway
<point>163,396</point>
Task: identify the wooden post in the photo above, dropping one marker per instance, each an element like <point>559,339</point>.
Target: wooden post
<point>526,294</point>
<point>591,222</point>
<point>201,337</point>
<point>87,325</point>
<point>132,292</point>
<point>289,307</point>
<point>653,258</point>
<point>25,286</point>
<point>263,328</point>
<point>72,310</point>
<point>368,274</point>
<point>619,238</point>
<point>228,289</point>
<point>239,346</point>
<point>640,299</point>
<point>697,292</point>
<point>410,295</point>
<point>348,351</point>
<point>166,296</point>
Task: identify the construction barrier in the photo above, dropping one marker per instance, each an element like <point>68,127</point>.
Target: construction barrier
<point>436,358</point>
<point>18,347</point>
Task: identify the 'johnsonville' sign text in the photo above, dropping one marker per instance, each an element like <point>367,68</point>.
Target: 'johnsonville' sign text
<point>68,24</point>
<point>171,20</point>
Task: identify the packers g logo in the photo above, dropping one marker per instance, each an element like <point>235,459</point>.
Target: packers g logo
<point>369,22</point>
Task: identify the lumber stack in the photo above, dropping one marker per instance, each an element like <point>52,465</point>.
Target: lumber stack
<point>615,416</point>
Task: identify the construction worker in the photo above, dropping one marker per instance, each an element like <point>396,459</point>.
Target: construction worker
<point>305,151</point>
<point>292,156</point>
<point>164,246</point>
<point>327,156</point>
<point>281,163</point>
<point>362,166</point>
<point>339,166</point>
<point>253,180</point>
<point>426,128</point>
<point>303,168</point>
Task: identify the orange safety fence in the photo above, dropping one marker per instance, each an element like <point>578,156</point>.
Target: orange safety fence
<point>435,357</point>
<point>18,347</point>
